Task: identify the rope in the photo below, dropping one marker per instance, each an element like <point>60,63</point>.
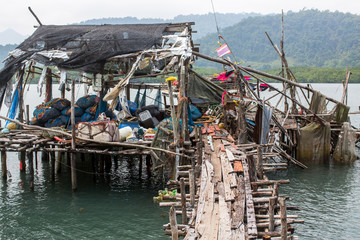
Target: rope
<point>218,32</point>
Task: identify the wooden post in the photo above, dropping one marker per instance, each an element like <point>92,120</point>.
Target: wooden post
<point>52,159</point>
<point>27,114</point>
<point>58,162</point>
<point>272,201</point>
<point>140,165</point>
<point>31,167</point>
<point>175,126</point>
<point>48,85</point>
<point>73,154</point>
<point>283,218</point>
<point>192,187</point>
<point>259,163</point>
<point>173,224</point>
<point>183,200</point>
<point>276,190</point>
<point>241,124</point>
<point>22,159</point>
<point>128,92</point>
<point>3,165</point>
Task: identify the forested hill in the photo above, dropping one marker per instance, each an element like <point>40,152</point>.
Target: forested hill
<point>4,50</point>
<point>312,38</point>
<point>204,23</point>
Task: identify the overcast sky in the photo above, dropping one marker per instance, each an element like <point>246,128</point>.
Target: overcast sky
<point>15,15</point>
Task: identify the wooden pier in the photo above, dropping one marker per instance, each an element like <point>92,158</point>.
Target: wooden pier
<point>227,195</point>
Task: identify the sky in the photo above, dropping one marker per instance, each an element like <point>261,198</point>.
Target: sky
<point>14,14</point>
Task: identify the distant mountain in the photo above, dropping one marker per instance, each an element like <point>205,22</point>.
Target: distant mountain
<point>4,50</point>
<point>9,36</point>
<point>311,38</point>
<point>204,23</point>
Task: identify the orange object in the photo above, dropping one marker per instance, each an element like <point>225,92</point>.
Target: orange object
<point>210,130</point>
<point>204,130</point>
<point>238,167</point>
<point>21,166</point>
<point>217,127</point>
<point>231,138</point>
<point>222,147</point>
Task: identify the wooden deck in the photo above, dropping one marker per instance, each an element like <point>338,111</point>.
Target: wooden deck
<point>232,201</point>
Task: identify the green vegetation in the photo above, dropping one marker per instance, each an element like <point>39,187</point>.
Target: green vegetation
<point>311,38</point>
<point>321,75</point>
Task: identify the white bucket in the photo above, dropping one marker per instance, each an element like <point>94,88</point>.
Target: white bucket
<point>124,133</point>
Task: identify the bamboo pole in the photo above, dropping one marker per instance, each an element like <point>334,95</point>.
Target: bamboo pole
<point>37,19</point>
<point>73,146</point>
<point>247,69</point>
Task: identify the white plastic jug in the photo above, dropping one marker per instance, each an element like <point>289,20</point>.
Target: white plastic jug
<point>124,133</point>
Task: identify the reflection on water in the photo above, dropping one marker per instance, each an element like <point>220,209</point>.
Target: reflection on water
<point>117,206</point>
<point>328,197</point>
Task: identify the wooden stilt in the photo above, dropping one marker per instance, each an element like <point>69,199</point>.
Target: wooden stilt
<point>44,156</point>
<point>173,224</point>
<point>259,163</point>
<point>36,160</point>
<point>192,187</point>
<point>31,168</point>
<point>108,163</point>
<point>140,165</point>
<point>58,162</point>
<point>52,159</point>
<point>3,165</point>
<point>73,155</point>
<point>22,158</point>
<point>272,202</point>
<point>183,201</point>
<point>283,218</point>
<point>148,165</point>
<point>101,163</point>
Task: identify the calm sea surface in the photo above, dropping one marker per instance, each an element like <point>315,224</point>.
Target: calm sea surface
<point>120,205</point>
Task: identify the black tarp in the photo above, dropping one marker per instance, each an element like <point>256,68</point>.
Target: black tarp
<point>90,45</point>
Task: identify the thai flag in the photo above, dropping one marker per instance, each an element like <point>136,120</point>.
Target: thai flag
<point>223,50</point>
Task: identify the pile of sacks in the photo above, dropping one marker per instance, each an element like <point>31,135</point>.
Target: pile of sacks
<point>57,112</point>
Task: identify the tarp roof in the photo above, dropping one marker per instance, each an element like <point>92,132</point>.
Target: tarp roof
<point>83,47</point>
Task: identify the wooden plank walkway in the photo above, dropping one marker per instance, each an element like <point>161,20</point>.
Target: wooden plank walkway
<point>231,203</point>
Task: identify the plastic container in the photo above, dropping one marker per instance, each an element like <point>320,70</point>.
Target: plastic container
<point>124,133</point>
<point>134,124</point>
<point>145,116</point>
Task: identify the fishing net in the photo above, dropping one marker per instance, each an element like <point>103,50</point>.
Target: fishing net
<point>314,143</point>
<point>58,103</point>
<point>86,101</point>
<point>78,111</point>
<point>345,151</point>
